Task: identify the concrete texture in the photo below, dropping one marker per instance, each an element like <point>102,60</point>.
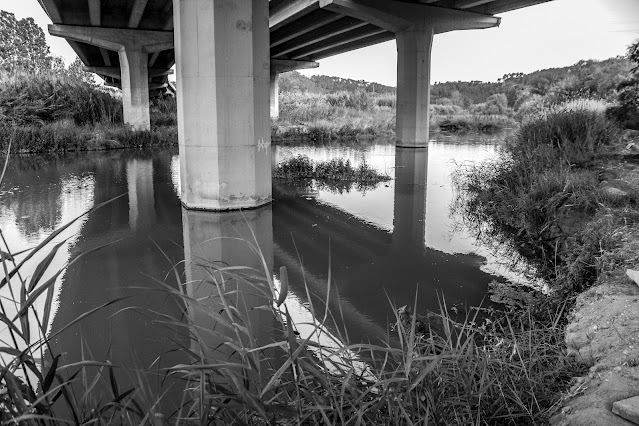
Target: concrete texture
<point>628,409</point>
<point>223,103</point>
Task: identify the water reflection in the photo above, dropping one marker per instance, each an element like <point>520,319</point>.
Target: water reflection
<point>380,247</point>
<point>215,244</point>
<point>129,334</point>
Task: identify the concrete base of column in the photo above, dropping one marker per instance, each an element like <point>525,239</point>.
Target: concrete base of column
<point>414,47</point>
<point>222,58</point>
<point>225,178</point>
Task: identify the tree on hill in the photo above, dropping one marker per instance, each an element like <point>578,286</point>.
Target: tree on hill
<point>22,45</point>
<point>627,110</point>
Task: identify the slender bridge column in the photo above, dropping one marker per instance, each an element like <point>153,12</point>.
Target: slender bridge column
<point>135,87</point>
<point>414,47</point>
<point>133,47</point>
<point>222,60</point>
<point>414,26</point>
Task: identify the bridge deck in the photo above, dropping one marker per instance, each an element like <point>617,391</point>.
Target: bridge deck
<point>299,29</point>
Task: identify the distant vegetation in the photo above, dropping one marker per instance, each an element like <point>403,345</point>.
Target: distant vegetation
<point>329,108</point>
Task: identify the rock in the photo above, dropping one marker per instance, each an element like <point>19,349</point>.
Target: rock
<point>633,275</point>
<point>632,146</point>
<point>627,409</point>
<point>616,190</point>
<point>629,135</point>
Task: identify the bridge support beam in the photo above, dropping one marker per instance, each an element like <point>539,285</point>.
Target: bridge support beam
<point>222,61</point>
<point>133,47</point>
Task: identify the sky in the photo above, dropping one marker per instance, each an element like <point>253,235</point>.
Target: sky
<point>553,34</point>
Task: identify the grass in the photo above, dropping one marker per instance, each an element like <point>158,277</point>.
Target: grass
<point>543,196</point>
<point>67,136</point>
<point>336,175</point>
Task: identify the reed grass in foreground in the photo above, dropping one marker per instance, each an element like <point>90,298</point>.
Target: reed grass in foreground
<point>504,372</point>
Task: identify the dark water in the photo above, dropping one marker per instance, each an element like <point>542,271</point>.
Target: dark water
<point>383,244</point>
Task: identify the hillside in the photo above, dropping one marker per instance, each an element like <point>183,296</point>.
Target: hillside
<point>587,78</point>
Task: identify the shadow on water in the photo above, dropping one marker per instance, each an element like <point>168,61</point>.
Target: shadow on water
<point>370,265</point>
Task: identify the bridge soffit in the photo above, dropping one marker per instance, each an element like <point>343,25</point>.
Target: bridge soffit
<point>116,39</point>
<point>397,17</point>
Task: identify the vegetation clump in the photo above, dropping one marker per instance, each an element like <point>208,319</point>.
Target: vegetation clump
<point>546,190</point>
<point>336,174</point>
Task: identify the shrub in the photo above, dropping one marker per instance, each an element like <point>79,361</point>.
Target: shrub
<point>47,97</point>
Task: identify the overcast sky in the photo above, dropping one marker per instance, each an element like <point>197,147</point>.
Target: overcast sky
<point>553,34</point>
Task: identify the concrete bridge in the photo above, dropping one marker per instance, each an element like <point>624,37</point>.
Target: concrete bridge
<point>229,54</point>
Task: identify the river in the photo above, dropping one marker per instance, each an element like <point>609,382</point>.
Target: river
<point>381,246</point>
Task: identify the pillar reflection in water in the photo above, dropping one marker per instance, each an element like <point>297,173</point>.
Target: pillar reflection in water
<point>409,221</point>
<point>214,241</point>
<point>130,333</point>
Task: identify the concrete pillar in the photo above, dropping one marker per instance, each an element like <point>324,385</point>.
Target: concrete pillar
<point>414,47</point>
<point>135,88</point>
<point>222,61</point>
<point>409,217</point>
<point>275,94</point>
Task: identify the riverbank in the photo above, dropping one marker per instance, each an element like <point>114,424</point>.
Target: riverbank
<point>564,195</point>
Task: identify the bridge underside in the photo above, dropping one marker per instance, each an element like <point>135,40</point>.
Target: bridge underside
<point>229,53</point>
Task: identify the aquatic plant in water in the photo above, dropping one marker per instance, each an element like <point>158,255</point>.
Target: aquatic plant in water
<point>336,175</point>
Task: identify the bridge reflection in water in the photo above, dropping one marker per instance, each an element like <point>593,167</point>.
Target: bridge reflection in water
<point>153,234</point>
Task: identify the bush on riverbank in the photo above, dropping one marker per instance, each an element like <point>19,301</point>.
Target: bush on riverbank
<point>47,97</point>
<point>545,189</point>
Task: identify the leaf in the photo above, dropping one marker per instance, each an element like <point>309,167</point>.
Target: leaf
<point>43,265</point>
<point>284,286</point>
<point>48,380</point>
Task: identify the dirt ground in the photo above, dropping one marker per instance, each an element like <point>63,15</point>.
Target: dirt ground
<point>604,326</point>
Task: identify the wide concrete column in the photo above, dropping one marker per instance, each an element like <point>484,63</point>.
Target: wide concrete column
<point>222,58</point>
<point>414,46</point>
<point>275,93</point>
<point>135,88</point>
